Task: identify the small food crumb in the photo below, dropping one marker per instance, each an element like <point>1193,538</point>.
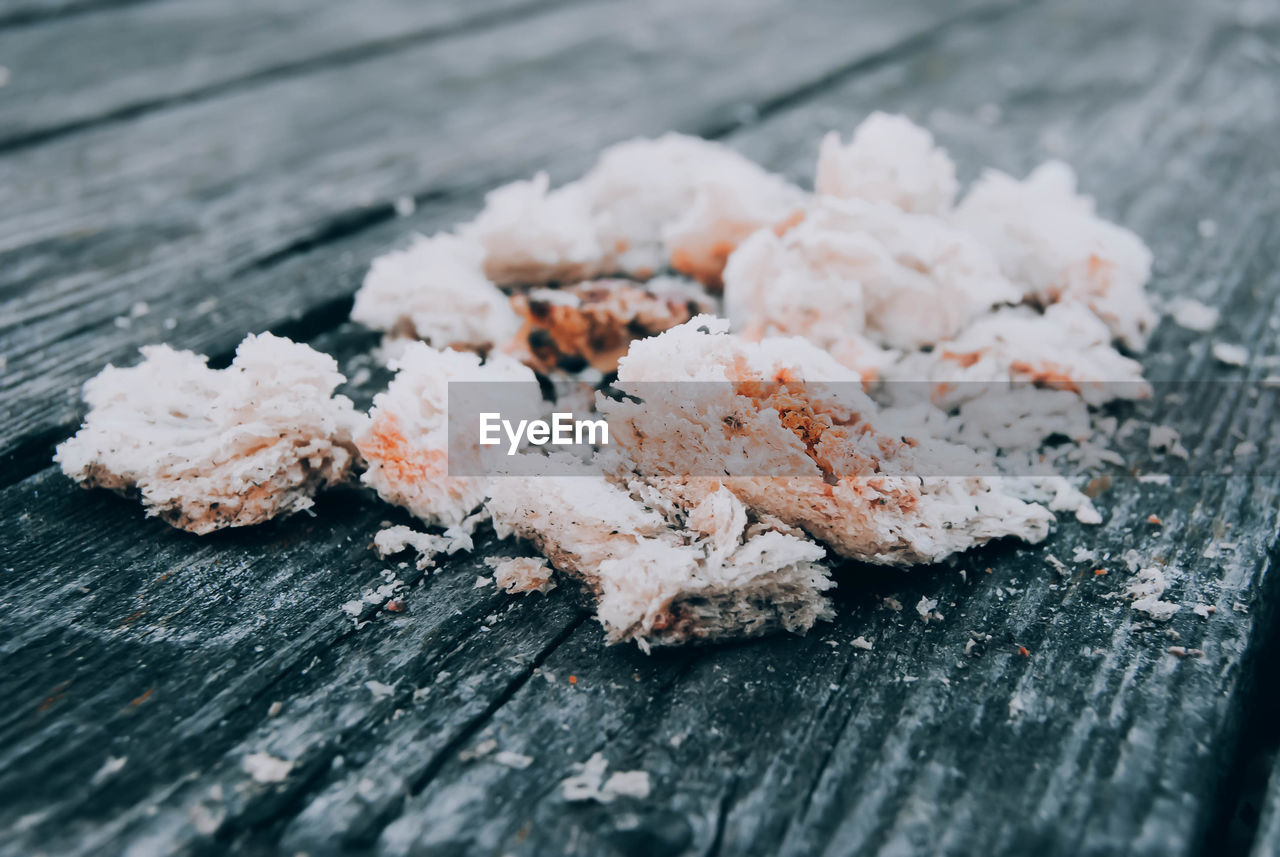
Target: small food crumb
<point>1024,651</point>
<point>1099,572</point>
<point>265,768</point>
<point>1192,315</point>
<point>379,689</point>
<point>1230,355</point>
<point>275,709</point>
<point>1154,519</point>
<point>862,643</point>
<point>1184,652</point>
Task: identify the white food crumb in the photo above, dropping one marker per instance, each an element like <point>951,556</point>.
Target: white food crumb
<point>588,783</point>
<point>510,759</point>
<point>379,689</point>
<point>1229,354</point>
<point>265,768</point>
<point>1191,314</point>
<point>862,643</point>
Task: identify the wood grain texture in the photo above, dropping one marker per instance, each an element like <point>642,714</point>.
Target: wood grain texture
<point>1097,741</point>
<point>182,206</point>
<point>1267,843</point>
<point>88,69</point>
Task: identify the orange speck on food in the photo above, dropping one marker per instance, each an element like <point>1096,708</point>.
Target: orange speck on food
<point>791,221</point>
<point>144,696</point>
<point>965,359</point>
<point>1024,651</point>
<point>987,570</point>
<point>1152,519</point>
<point>573,679</point>
<point>395,606</point>
<point>1099,572</point>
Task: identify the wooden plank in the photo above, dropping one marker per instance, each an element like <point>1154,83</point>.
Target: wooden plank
<point>167,651</point>
<point>751,748</point>
<point>181,206</point>
<point>1267,842</point>
<point>22,13</point>
<point>64,77</point>
<point>1098,741</point>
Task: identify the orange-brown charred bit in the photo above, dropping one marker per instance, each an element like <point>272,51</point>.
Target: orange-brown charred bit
<point>706,269</point>
<point>791,221</point>
<point>964,358</point>
<point>599,328</point>
<point>1047,375</point>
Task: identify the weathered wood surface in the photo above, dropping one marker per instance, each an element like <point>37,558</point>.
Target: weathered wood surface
<point>125,640</point>
<point>179,50</point>
<point>188,204</point>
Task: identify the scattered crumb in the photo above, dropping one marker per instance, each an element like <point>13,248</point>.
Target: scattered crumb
<point>275,708</point>
<point>1193,315</point>
<point>379,689</point>
<point>588,782</point>
<point>482,582</point>
<point>1155,519</point>
<point>1145,594</point>
<point>109,768</point>
<point>862,643</point>
<point>894,604</point>
<point>1230,355</point>
<point>510,759</point>
<point>1204,611</point>
<point>1168,440</point>
<point>1184,652</point>
<point>479,751</point>
<point>265,768</point>
<point>521,574</point>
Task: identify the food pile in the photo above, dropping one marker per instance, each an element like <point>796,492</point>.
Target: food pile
<point>863,339</point>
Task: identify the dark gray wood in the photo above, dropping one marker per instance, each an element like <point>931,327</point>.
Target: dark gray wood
<point>185,205</point>
<point>1097,741</point>
<point>131,59</point>
<point>1267,843</point>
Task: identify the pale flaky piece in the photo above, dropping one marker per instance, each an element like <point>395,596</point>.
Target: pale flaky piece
<point>661,575</point>
<point>890,159</point>
<point>673,201</point>
<point>406,442</point>
<point>1052,243</point>
<point>593,323</point>
<point>210,448</point>
<point>852,267</point>
<point>1065,348</point>
<point>813,451</point>
<point>435,290</point>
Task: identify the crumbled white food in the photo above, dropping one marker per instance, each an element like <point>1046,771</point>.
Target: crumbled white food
<point>393,540</point>
<point>1063,348</point>
<point>713,572</point>
<point>1191,314</point>
<point>854,267</point>
<point>1229,354</point>
<point>646,204</point>
<point>406,443</point>
<point>890,159</point>
<point>265,768</point>
<point>436,291</point>
<point>521,574</point>
<point>846,471</point>
<point>1145,592</point>
<point>380,690</point>
<point>861,642</point>
<point>1166,439</point>
<point>531,234</point>
<point>1050,241</point>
<point>511,759</point>
<point>682,200</point>
<point>208,448</point>
<point>925,607</point>
<point>589,783</point>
